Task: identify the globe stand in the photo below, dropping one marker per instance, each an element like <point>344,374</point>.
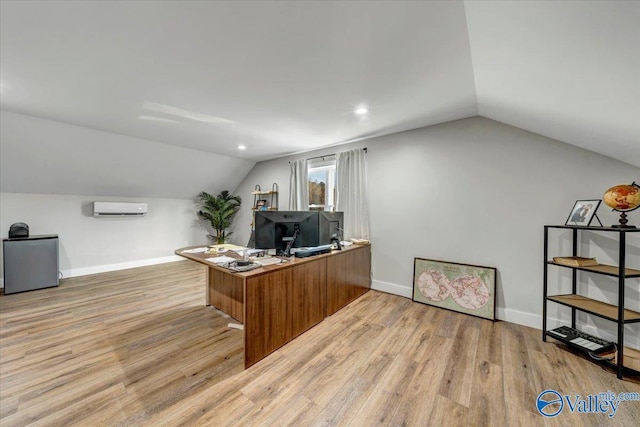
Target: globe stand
<point>623,222</point>
<point>623,198</point>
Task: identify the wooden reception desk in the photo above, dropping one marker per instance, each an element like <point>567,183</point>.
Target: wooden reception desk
<point>276,303</point>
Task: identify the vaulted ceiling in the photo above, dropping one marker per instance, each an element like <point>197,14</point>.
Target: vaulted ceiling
<point>284,77</point>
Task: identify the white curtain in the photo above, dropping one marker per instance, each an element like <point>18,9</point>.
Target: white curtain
<point>299,186</point>
<point>351,183</point>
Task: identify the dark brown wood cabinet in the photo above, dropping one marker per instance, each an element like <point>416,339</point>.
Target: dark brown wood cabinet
<point>308,296</point>
<point>268,322</point>
<point>348,277</point>
<point>282,305</point>
<point>226,290</point>
<point>277,303</point>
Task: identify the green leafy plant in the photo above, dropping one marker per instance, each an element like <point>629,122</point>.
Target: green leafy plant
<point>219,212</point>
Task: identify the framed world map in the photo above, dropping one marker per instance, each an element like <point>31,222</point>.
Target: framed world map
<point>465,288</point>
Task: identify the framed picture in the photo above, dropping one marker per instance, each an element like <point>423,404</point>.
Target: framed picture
<point>261,205</point>
<point>582,212</point>
<point>469,289</point>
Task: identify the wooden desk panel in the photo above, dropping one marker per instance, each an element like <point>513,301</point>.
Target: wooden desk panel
<point>281,305</point>
<point>268,316</point>
<point>276,303</point>
<point>308,296</point>
<point>226,292</point>
<point>348,277</point>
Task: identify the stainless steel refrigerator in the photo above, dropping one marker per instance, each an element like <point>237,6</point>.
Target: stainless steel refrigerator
<point>30,263</point>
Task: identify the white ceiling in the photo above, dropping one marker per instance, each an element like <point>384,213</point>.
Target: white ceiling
<point>284,77</point>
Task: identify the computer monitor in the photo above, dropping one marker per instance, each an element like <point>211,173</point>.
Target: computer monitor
<point>275,229</point>
<point>330,224</point>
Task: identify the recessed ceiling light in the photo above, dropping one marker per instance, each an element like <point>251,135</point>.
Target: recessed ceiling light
<point>242,147</point>
<point>361,111</point>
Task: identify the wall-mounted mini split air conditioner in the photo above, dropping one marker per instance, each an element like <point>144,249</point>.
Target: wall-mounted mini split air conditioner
<point>119,209</point>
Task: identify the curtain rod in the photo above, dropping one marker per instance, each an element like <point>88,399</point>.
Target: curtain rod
<point>330,155</point>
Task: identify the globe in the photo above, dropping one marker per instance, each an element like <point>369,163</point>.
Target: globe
<point>623,198</point>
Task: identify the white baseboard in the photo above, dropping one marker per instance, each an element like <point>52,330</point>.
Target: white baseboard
<point>524,318</point>
<point>74,272</point>
<point>514,316</point>
<point>520,317</point>
<point>392,288</point>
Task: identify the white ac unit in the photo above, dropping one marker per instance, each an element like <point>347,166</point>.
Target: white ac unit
<point>119,209</point>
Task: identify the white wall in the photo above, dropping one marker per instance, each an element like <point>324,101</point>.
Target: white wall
<point>50,172</point>
<point>92,245</point>
<point>472,191</point>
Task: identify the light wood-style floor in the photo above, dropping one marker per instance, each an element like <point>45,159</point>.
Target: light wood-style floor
<point>139,347</point>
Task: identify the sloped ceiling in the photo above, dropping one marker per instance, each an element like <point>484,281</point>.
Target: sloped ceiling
<point>566,70</point>
<point>284,77</point>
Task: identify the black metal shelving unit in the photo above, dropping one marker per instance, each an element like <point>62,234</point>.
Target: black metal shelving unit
<point>615,313</point>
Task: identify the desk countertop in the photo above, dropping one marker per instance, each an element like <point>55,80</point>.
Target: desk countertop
<point>201,257</point>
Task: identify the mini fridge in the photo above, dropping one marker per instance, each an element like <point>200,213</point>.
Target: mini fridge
<point>30,263</point>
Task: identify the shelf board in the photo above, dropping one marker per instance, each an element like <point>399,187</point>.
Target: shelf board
<point>598,308</point>
<point>263,193</point>
<point>595,228</point>
<point>267,209</point>
<point>609,270</point>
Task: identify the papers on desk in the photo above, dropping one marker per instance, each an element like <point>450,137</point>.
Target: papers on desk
<point>226,247</point>
<point>220,259</point>
<point>195,251</point>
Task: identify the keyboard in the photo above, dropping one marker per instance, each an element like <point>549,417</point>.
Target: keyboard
<point>317,250</point>
<point>580,340</point>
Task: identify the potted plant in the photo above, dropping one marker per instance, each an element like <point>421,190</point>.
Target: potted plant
<point>219,211</point>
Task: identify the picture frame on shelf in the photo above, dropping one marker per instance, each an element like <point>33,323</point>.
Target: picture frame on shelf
<point>464,288</point>
<point>583,212</point>
<point>261,205</point>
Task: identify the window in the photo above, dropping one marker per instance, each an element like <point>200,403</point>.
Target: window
<point>322,185</point>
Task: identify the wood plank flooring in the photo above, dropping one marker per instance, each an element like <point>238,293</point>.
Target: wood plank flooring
<point>139,347</point>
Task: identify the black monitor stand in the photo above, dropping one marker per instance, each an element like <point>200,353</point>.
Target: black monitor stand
<point>287,251</point>
<point>336,240</point>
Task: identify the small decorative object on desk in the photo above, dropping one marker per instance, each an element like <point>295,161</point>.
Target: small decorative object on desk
<point>224,247</point>
<point>359,241</point>
<point>623,198</point>
<point>583,212</point>
<point>575,261</point>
